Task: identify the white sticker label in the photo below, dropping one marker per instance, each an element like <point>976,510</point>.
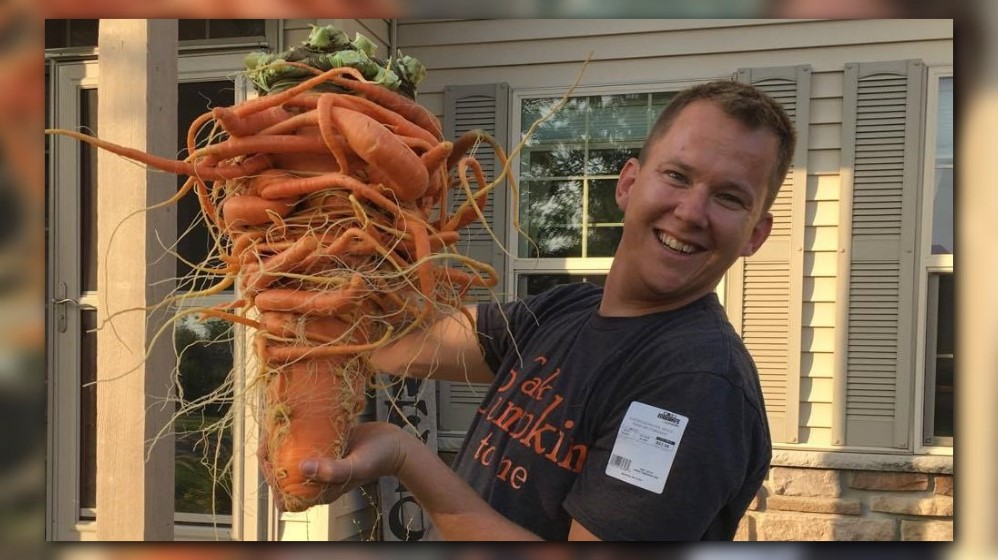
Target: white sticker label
<point>646,446</point>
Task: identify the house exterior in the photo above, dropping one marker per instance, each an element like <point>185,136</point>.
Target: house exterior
<point>847,309</point>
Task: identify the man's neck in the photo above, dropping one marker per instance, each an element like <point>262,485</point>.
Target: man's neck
<point>622,300</point>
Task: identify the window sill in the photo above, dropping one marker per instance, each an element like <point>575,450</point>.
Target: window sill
<point>87,531</point>
<point>845,460</point>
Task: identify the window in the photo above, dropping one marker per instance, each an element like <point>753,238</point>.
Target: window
<point>937,262</point>
<point>205,349</point>
<point>82,33</point>
<point>569,221</point>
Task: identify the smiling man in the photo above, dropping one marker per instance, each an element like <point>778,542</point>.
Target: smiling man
<point>632,412</point>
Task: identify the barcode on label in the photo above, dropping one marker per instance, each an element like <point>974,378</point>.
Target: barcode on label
<point>623,463</point>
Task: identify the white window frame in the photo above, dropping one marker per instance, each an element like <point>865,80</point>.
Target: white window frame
<point>66,519</point>
<point>928,264</point>
<point>518,265</point>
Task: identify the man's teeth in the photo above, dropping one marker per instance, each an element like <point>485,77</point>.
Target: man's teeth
<point>675,244</point>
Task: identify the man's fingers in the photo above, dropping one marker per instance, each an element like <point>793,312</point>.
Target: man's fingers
<point>325,470</point>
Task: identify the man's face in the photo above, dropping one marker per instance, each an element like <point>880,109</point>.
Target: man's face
<point>693,207</point>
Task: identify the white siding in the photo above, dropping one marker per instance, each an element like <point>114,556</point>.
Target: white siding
<point>530,54</point>
<point>351,518</point>
<point>822,244</point>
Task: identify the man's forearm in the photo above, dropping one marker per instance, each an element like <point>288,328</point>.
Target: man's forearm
<point>447,350</point>
<point>458,513</point>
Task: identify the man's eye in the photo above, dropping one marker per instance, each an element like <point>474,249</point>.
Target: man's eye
<point>733,201</point>
<point>676,176</point>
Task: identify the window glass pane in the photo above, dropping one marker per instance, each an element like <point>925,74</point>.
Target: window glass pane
<point>229,28</point>
<point>83,32</point>
<point>558,161</point>
<point>62,33</point>
<point>942,209</point>
<point>55,33</point>
<point>192,29</point>
<point>586,143</point>
<point>603,241</point>
<point>619,118</point>
<point>203,481</point>
<point>553,218</point>
<point>944,126</point>
<point>567,124</point>
<point>944,328</point>
<point>945,372</point>
<point>88,409</point>
<point>531,284</point>
<point>659,100</point>
<point>942,213</point>
<point>194,242</point>
<point>603,202</point>
<point>944,398</point>
<point>609,161</point>
<point>88,193</point>
<point>48,155</point>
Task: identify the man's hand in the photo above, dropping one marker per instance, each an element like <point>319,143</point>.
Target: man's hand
<point>376,449</point>
<point>379,449</point>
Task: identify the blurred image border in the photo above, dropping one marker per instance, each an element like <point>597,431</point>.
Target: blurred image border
<point>21,182</point>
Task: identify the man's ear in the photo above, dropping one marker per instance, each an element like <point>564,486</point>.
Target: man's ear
<point>760,232</point>
<point>628,174</point>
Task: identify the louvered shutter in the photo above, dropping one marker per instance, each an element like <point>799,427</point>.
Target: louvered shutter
<point>882,123</point>
<point>764,291</point>
<point>470,107</point>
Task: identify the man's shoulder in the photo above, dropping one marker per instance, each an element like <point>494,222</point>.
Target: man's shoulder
<point>705,342</point>
<point>581,291</point>
<point>565,299</point>
<point>552,307</point>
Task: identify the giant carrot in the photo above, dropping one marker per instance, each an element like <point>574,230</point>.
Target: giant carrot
<point>327,203</point>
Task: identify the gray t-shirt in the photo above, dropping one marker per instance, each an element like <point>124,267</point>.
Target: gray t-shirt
<point>539,445</point>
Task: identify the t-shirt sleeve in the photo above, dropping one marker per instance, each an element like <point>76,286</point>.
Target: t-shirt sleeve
<point>705,493</point>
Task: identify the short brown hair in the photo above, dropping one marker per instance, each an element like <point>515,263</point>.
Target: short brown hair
<point>750,106</point>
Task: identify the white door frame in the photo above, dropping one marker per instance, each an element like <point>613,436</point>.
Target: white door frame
<point>63,518</point>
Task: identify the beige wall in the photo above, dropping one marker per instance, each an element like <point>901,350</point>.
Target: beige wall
<point>549,53</point>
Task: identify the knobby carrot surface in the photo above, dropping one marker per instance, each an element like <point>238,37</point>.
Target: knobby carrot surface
<point>328,212</point>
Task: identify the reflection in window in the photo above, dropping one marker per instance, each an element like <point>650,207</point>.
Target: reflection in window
<point>88,192</point>
<point>207,359</point>
<point>88,409</point>
<point>944,359</point>
<point>939,364</point>
<point>82,33</point>
<point>194,241</point>
<point>569,168</point>
<point>940,369</point>
<point>60,33</point>
<point>203,449</point>
<point>942,206</point>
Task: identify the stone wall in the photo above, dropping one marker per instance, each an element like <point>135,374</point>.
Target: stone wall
<point>832,504</point>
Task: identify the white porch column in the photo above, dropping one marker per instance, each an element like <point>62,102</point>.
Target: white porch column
<point>137,107</point>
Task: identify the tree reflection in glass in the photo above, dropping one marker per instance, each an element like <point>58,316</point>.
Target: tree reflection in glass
<point>569,168</point>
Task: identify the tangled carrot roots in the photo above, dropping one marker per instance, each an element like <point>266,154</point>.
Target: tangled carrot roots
<point>329,211</point>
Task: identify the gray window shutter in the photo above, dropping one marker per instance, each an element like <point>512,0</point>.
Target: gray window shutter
<point>764,292</point>
<point>881,169</point>
<point>469,107</point>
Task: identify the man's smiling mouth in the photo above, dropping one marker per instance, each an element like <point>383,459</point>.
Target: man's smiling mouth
<point>677,245</point>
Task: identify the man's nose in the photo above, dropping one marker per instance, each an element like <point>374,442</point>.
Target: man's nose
<point>692,206</point>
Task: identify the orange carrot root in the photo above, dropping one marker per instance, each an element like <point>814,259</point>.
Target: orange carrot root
<point>320,207</point>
